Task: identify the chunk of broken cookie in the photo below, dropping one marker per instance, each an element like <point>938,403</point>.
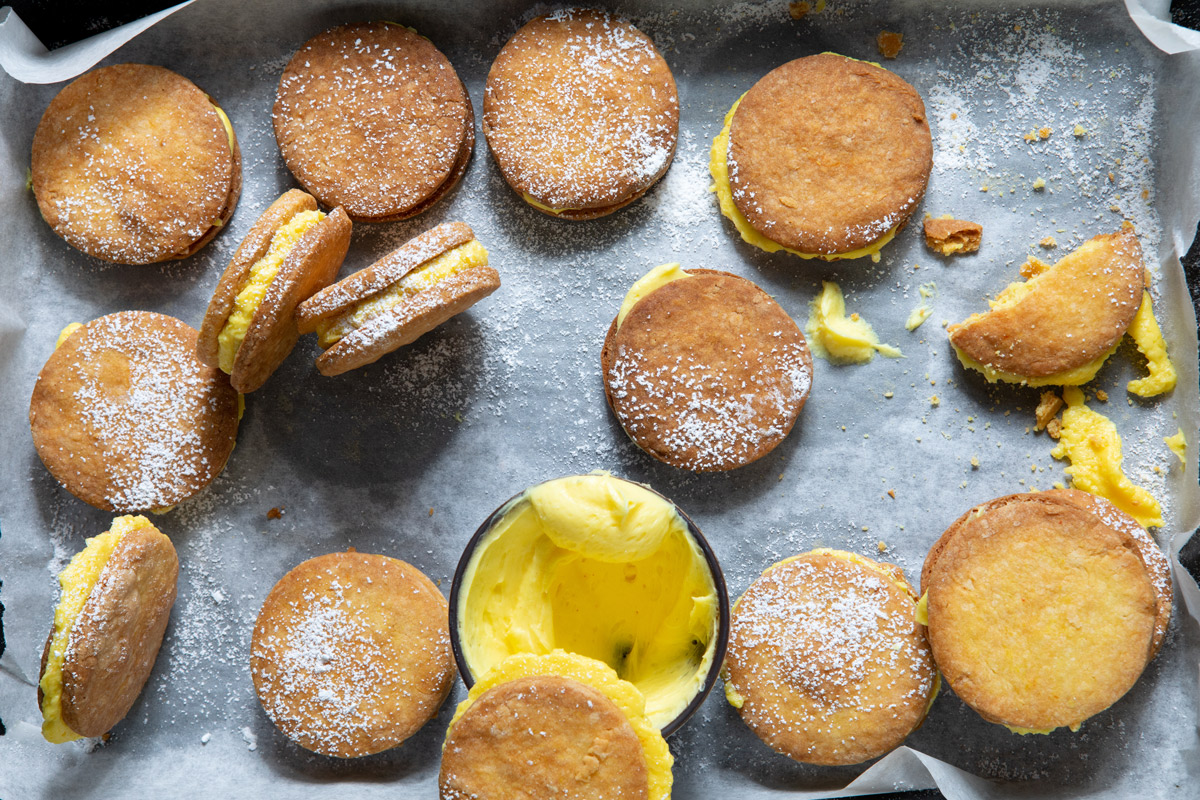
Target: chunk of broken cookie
<point>948,236</point>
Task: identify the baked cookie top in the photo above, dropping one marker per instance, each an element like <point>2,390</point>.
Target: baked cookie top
<point>1041,609</point>
<point>372,117</point>
<point>826,662</point>
<point>127,419</point>
<point>581,113</point>
<point>133,163</point>
<point>828,154</point>
<point>543,736</point>
<point>706,373</point>
<point>351,653</point>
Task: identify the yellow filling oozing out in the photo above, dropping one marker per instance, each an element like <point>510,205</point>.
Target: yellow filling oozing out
<point>603,679</point>
<point>251,293</point>
<point>836,337</point>
<point>1148,337</point>
<point>1076,376</point>
<point>654,279</point>
<point>1178,445</point>
<point>75,586</point>
<point>718,165</point>
<point>66,333</point>
<point>601,567</point>
<point>460,259</point>
<point>549,209</point>
<point>1091,442</point>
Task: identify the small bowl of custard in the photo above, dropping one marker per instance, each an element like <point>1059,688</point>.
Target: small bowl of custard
<point>604,568</point>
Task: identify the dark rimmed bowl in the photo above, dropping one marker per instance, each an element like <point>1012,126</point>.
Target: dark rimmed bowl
<point>714,568</point>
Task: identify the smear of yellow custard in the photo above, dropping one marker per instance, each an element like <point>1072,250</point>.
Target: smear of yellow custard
<point>1076,376</point>
<point>834,336</point>
<point>921,312</point>
<point>1148,337</point>
<point>1178,445</point>
<point>654,279</point>
<point>66,333</point>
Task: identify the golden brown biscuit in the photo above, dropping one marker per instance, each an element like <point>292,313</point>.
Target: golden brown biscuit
<point>373,118</point>
<point>1043,609</point>
<point>103,646</point>
<point>400,297</point>
<point>132,163</point>
<point>826,662</point>
<point>1067,317</point>
<point>127,419</point>
<point>581,113</point>
<point>948,236</point>
<point>351,653</point>
<point>828,155</point>
<point>706,373</point>
<point>278,266</point>
<point>543,736</point>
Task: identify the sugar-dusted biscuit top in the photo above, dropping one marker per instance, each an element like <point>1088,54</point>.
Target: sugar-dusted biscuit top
<point>707,373</point>
<point>581,113</point>
<point>828,154</point>
<point>826,659</point>
<point>543,736</point>
<point>1044,608</point>
<point>351,653</point>
<point>372,117</point>
<point>132,163</point>
<point>127,419</point>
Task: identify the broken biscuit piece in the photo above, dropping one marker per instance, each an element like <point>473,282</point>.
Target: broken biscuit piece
<point>947,235</point>
<point>1047,409</point>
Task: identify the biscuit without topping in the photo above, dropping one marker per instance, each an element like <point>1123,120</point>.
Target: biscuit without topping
<point>828,154</point>
<point>1072,314</point>
<point>310,265</point>
<point>543,736</point>
<point>706,373</point>
<point>116,637</point>
<point>1043,608</point>
<point>372,117</point>
<point>351,653</point>
<point>132,164</point>
<point>127,419</point>
<point>828,659</point>
<point>581,113</point>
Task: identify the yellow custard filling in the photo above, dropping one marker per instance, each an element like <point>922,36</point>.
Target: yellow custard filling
<point>654,279</point>
<point>840,338</point>
<point>66,333</point>
<point>603,679</point>
<point>1091,442</point>
<point>1178,445</point>
<point>75,586</point>
<point>251,293</point>
<point>601,567</point>
<point>1076,376</point>
<point>1148,337</point>
<point>718,165</point>
<point>460,259</point>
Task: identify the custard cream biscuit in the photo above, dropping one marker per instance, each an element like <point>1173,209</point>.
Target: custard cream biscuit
<point>581,113</point>
<point>703,369</point>
<point>127,419</point>
<point>393,302</point>
<point>114,602</point>
<point>373,118</point>
<point>351,653</point>
<point>826,662</point>
<point>825,157</point>
<point>290,253</point>
<point>134,164</point>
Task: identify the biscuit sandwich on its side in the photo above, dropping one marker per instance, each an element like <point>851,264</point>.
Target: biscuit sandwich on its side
<point>114,601</point>
<point>403,295</point>
<point>291,252</point>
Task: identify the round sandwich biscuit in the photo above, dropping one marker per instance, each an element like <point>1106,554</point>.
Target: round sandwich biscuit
<point>134,164</point>
<point>825,156</point>
<point>1044,608</point>
<point>826,662</point>
<point>703,369</point>
<point>1058,327</point>
<point>581,113</point>
<point>114,602</point>
<point>351,653</point>
<point>373,118</point>
<point>291,252</point>
<point>127,419</point>
<point>400,297</point>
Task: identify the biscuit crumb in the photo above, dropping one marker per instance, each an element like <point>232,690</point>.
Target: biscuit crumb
<point>1054,428</point>
<point>889,395</point>
<point>1044,133</point>
<point>797,10</point>
<point>1033,266</point>
<point>892,493</point>
<point>1115,209</point>
<point>275,513</point>
<point>881,546</point>
<point>1079,131</point>
<point>935,401</point>
<point>1102,395</point>
<point>1145,194</point>
<point>889,43</point>
<point>947,236</point>
<point>1049,243</point>
<point>974,462</point>
<point>983,188</point>
<point>865,528</point>
<point>1047,409</point>
<point>1039,184</point>
<point>431,511</point>
<point>1030,137</point>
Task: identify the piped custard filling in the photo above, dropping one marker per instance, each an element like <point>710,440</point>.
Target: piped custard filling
<point>251,293</point>
<point>452,262</point>
<point>75,586</point>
